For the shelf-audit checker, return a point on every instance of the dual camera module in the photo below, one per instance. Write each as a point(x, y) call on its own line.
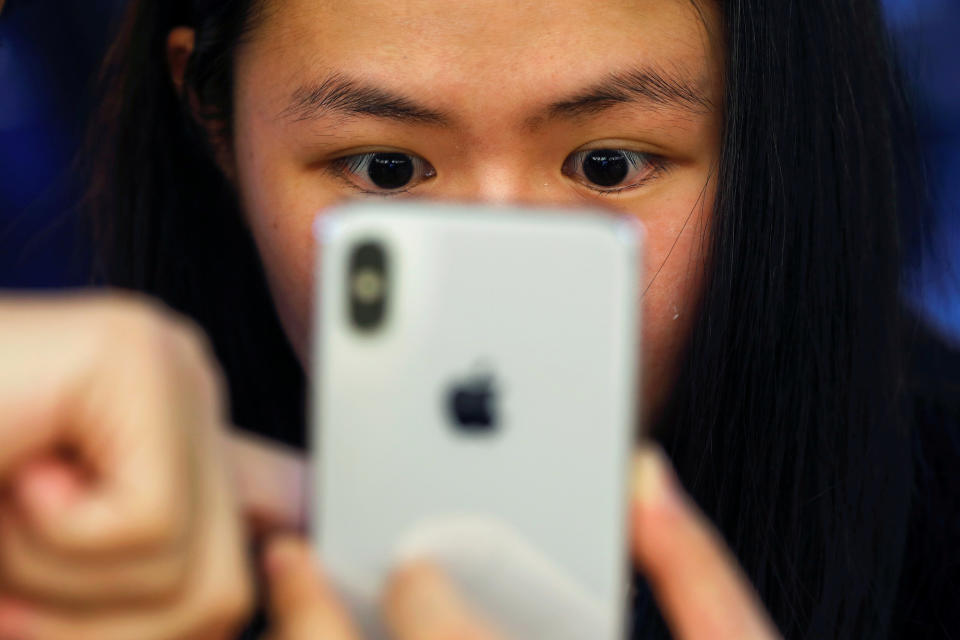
point(368, 280)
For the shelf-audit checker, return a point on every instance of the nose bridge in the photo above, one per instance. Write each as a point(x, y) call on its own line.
point(509, 176)
point(499, 158)
point(497, 181)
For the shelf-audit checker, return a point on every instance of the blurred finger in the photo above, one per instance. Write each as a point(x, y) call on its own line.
point(137, 465)
point(105, 390)
point(140, 499)
point(39, 565)
point(302, 606)
point(214, 600)
point(30, 572)
point(421, 604)
point(697, 582)
point(130, 398)
point(28, 622)
point(269, 481)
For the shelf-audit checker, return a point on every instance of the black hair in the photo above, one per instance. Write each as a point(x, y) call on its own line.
point(165, 219)
point(786, 423)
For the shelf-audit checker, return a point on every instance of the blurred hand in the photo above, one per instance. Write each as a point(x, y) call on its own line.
point(698, 585)
point(116, 517)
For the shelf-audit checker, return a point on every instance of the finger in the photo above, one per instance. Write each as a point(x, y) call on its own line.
point(137, 501)
point(421, 604)
point(697, 582)
point(49, 361)
point(214, 600)
point(269, 481)
point(301, 604)
point(50, 484)
point(30, 572)
point(140, 452)
point(123, 411)
point(31, 338)
point(27, 621)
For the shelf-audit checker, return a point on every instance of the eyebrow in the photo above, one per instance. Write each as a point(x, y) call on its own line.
point(639, 85)
point(339, 94)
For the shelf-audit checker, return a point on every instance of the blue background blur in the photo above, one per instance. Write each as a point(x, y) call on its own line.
point(49, 50)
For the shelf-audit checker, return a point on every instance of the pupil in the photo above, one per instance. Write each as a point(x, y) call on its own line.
point(605, 167)
point(390, 170)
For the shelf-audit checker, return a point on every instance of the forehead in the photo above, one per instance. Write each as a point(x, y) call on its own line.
point(480, 54)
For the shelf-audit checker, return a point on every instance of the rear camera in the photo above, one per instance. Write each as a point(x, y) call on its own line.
point(368, 285)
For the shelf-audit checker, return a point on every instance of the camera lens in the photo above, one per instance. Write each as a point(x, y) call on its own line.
point(368, 285)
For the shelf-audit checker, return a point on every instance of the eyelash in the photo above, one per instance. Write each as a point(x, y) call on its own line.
point(354, 165)
point(656, 166)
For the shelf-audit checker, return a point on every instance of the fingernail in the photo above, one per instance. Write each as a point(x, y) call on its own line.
point(421, 595)
point(281, 554)
point(653, 478)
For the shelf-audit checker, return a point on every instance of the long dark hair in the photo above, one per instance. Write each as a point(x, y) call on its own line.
point(785, 425)
point(165, 219)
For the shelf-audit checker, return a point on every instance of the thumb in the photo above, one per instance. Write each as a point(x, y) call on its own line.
point(302, 605)
point(697, 582)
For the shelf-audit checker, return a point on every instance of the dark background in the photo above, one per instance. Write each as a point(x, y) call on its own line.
point(49, 51)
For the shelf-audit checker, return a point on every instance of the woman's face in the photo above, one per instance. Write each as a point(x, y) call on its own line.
point(613, 104)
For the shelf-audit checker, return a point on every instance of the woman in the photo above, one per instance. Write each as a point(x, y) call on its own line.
point(757, 142)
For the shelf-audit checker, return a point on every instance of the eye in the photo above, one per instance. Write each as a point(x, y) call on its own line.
point(383, 171)
point(612, 170)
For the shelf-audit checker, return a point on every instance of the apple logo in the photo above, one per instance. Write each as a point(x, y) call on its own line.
point(471, 404)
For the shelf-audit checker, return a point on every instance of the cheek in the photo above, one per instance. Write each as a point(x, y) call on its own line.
point(280, 203)
point(288, 259)
point(287, 252)
point(673, 281)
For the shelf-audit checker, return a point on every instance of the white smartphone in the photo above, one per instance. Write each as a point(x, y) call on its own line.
point(474, 399)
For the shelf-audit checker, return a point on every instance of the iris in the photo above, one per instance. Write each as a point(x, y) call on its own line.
point(390, 170)
point(606, 167)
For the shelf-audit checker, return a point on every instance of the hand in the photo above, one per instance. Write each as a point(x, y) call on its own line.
point(698, 585)
point(116, 517)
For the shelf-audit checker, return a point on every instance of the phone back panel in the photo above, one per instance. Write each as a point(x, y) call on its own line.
point(526, 320)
